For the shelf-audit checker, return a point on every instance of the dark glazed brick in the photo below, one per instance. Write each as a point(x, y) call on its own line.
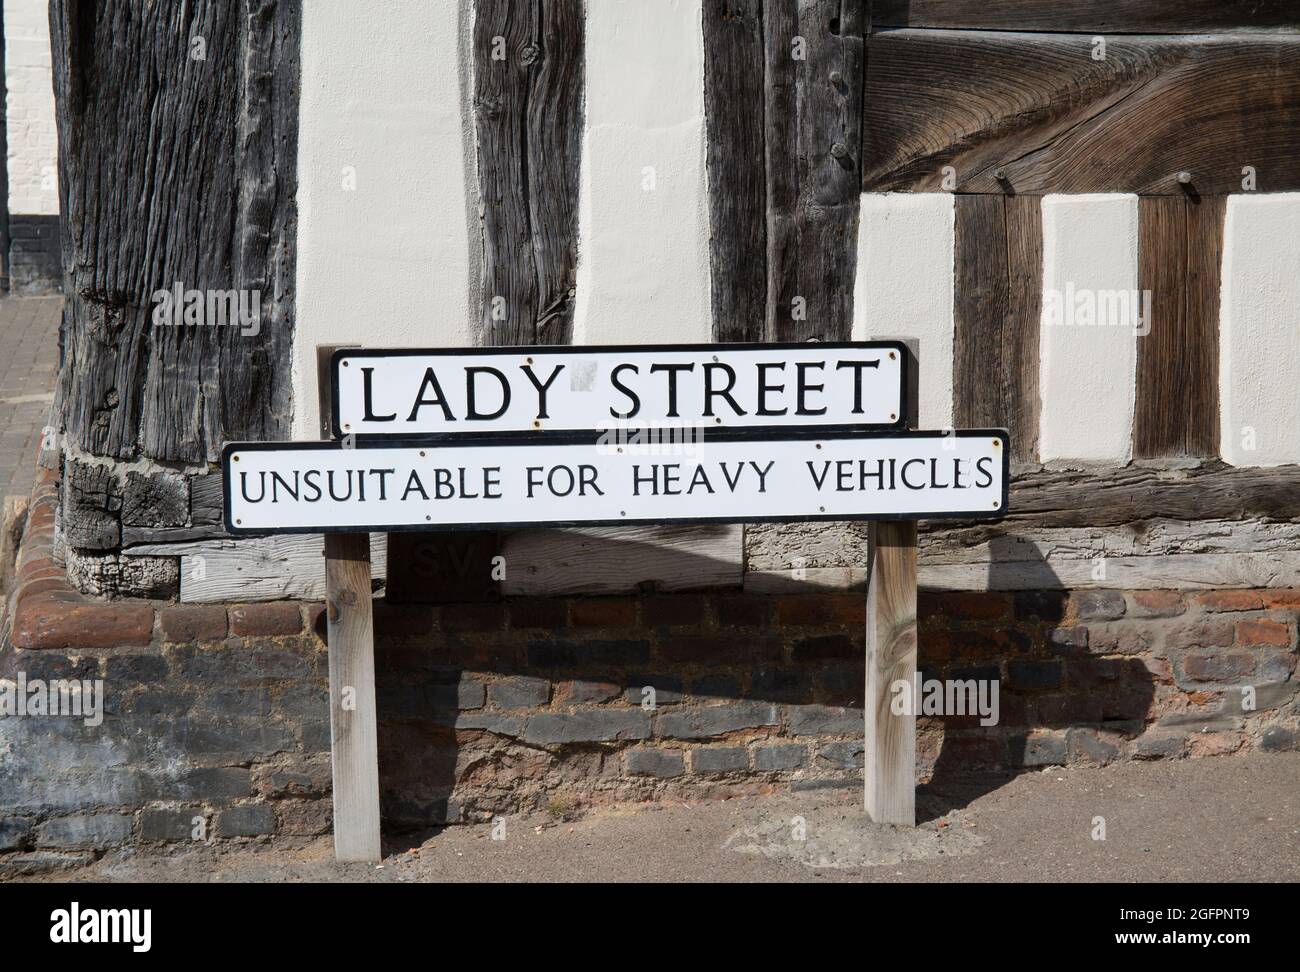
point(780, 685)
point(719, 685)
point(655, 762)
point(538, 613)
point(727, 759)
point(135, 668)
point(667, 690)
point(168, 825)
point(720, 649)
point(189, 623)
point(701, 722)
point(472, 617)
point(593, 725)
point(569, 654)
point(1034, 675)
point(841, 755)
point(1279, 739)
point(1043, 605)
point(825, 647)
point(771, 759)
point(251, 820)
point(824, 720)
point(519, 692)
point(402, 620)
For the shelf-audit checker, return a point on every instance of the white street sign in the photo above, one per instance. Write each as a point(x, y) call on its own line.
point(529, 389)
point(382, 486)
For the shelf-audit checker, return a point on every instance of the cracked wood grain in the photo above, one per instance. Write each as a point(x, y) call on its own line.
point(1047, 116)
point(528, 78)
point(173, 169)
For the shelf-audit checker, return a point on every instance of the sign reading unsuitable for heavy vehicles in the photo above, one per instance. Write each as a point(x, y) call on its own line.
point(320, 487)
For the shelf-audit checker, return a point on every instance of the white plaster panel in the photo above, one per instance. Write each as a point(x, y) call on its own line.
point(904, 286)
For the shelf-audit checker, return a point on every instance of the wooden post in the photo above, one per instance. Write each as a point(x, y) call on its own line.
point(354, 743)
point(890, 753)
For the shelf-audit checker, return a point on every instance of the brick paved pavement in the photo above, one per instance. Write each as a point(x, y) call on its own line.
point(29, 337)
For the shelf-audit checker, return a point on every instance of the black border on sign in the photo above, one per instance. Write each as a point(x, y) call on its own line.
point(752, 431)
point(571, 439)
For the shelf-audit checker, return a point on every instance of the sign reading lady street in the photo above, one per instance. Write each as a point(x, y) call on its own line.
point(494, 390)
point(375, 485)
point(487, 438)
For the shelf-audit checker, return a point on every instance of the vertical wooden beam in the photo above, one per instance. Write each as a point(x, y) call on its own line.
point(354, 736)
point(1177, 407)
point(1021, 324)
point(998, 273)
point(733, 117)
point(979, 308)
point(528, 80)
point(889, 775)
point(814, 55)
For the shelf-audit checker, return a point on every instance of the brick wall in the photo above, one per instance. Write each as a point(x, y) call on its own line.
point(219, 711)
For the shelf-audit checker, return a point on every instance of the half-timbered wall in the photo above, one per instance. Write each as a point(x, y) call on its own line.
point(1078, 209)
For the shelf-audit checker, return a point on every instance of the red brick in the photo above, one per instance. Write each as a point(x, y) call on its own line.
point(744, 610)
point(42, 585)
point(1287, 597)
point(603, 612)
point(819, 609)
point(1207, 633)
point(673, 609)
point(1218, 666)
point(575, 692)
point(1157, 604)
point(316, 621)
point(1263, 632)
point(538, 613)
point(976, 606)
point(193, 622)
point(42, 622)
point(269, 619)
point(1230, 600)
point(472, 617)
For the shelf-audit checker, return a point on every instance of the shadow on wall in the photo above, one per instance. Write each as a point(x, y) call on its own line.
point(1057, 703)
point(536, 704)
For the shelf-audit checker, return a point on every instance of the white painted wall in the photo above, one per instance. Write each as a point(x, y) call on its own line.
point(643, 255)
point(1259, 331)
point(904, 286)
point(29, 107)
point(394, 261)
point(1087, 371)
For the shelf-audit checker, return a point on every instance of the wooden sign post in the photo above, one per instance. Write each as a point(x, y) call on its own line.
point(501, 438)
point(350, 637)
point(889, 754)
